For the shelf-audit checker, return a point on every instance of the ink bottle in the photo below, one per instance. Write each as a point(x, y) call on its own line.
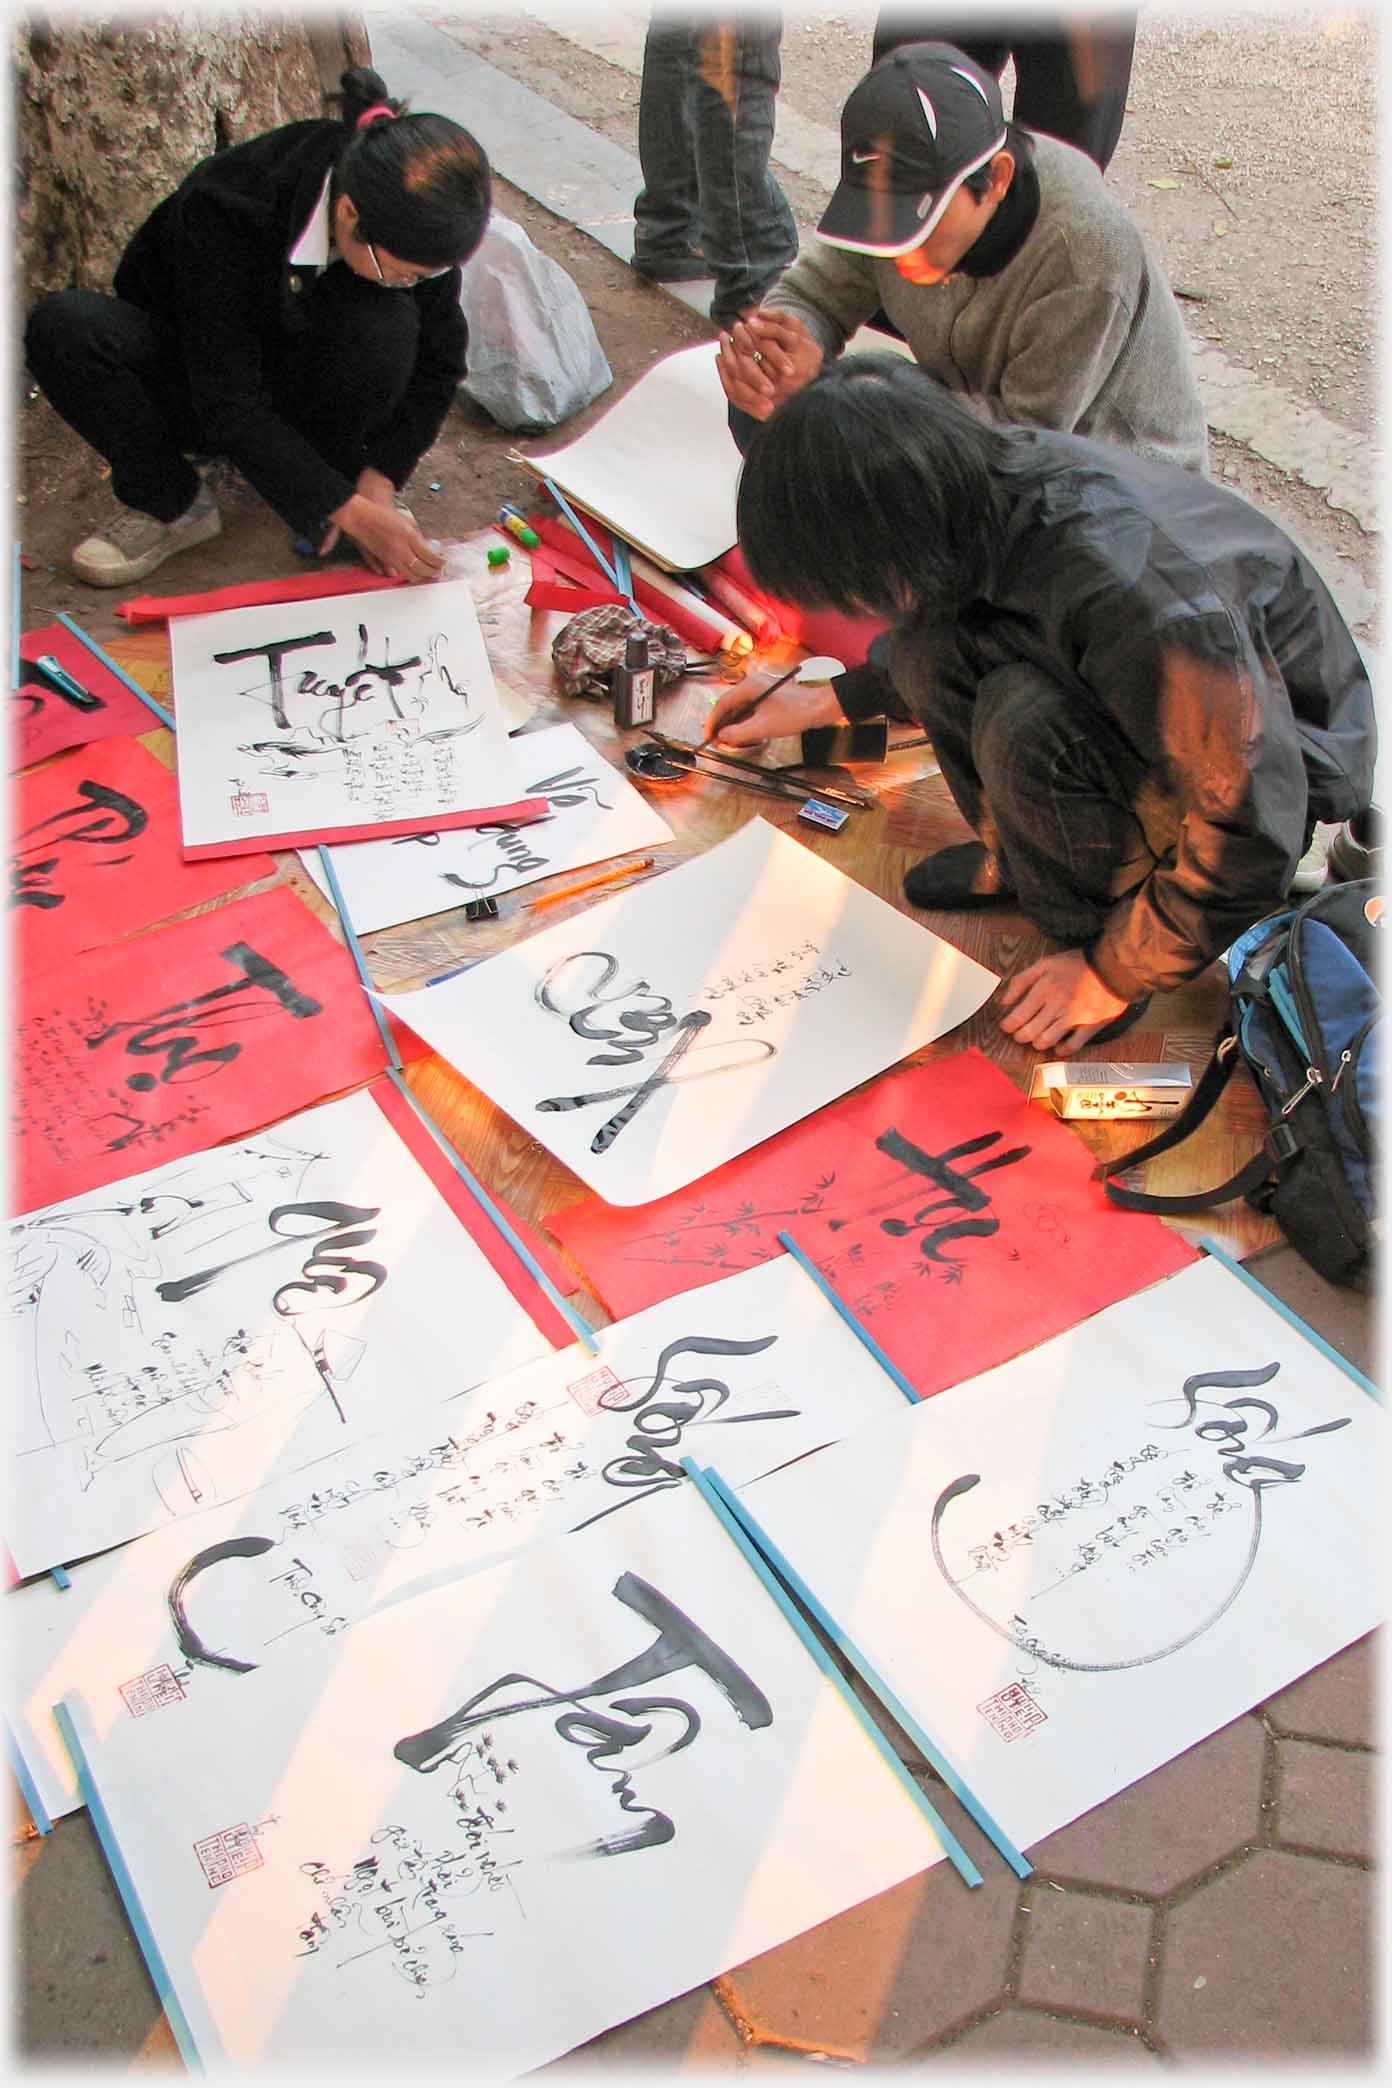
point(634, 681)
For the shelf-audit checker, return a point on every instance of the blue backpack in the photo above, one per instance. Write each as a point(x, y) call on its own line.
point(1302, 1016)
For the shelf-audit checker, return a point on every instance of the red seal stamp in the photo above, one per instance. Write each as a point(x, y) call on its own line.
point(231, 1854)
point(151, 1691)
point(1012, 1712)
point(246, 804)
point(591, 1393)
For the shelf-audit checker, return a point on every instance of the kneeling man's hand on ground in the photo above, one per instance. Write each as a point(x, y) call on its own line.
point(1058, 1003)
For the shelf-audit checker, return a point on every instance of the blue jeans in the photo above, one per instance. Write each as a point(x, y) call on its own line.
point(705, 129)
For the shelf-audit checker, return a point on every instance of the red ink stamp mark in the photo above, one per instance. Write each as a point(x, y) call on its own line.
point(591, 1393)
point(151, 1691)
point(228, 1855)
point(1012, 1712)
point(247, 803)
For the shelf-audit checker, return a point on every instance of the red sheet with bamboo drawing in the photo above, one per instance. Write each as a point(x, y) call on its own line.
point(96, 853)
point(174, 1040)
point(958, 1221)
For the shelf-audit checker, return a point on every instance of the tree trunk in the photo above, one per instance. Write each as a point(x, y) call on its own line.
point(112, 114)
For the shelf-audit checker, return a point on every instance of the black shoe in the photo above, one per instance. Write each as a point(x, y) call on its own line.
point(956, 879)
point(690, 267)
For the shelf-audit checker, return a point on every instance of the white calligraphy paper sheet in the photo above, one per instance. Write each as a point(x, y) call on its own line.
point(592, 813)
point(669, 1028)
point(1079, 1564)
point(489, 1823)
point(660, 466)
point(329, 719)
point(751, 1372)
point(186, 1334)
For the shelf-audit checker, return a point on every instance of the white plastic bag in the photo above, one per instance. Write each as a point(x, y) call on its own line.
point(534, 356)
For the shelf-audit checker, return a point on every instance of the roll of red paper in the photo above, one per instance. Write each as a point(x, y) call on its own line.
point(697, 627)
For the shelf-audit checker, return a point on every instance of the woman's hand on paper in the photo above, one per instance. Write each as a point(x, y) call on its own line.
point(795, 708)
point(389, 539)
point(764, 358)
point(1056, 1004)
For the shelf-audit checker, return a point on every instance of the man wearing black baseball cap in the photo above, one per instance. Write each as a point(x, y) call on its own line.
point(1012, 274)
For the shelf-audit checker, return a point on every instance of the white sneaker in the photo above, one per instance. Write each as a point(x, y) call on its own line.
point(134, 544)
point(1312, 869)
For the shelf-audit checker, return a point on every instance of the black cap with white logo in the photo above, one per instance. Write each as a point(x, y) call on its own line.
point(917, 125)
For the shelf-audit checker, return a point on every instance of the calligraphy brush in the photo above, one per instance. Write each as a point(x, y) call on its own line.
point(859, 800)
point(760, 780)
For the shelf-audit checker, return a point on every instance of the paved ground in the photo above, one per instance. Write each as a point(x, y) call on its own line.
point(1224, 1908)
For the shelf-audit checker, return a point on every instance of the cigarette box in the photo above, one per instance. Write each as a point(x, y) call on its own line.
point(1105, 1093)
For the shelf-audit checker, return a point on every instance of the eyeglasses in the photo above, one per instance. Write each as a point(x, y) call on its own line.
point(411, 282)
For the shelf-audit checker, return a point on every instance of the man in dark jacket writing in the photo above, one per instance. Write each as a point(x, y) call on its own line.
point(1140, 692)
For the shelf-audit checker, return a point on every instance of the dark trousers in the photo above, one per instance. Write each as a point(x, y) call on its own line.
point(1070, 77)
point(116, 374)
point(1049, 783)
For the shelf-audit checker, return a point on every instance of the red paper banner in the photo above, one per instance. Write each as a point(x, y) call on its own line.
point(844, 638)
point(95, 854)
point(958, 1222)
point(181, 1038)
point(44, 723)
point(250, 594)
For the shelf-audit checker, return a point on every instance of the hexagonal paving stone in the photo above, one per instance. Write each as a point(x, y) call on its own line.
point(1325, 1798)
point(693, 2030)
point(1171, 1825)
point(1274, 1956)
point(1085, 1954)
point(1338, 1701)
point(1017, 2033)
point(889, 1975)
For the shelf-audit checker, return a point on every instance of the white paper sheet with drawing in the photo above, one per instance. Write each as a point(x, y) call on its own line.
point(750, 1372)
point(670, 1028)
point(484, 1826)
point(592, 813)
point(660, 466)
point(183, 1335)
point(337, 716)
point(1081, 1563)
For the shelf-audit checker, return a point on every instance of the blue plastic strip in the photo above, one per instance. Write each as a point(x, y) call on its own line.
point(623, 571)
point(165, 717)
point(335, 892)
point(866, 1340)
point(931, 1752)
point(1292, 1318)
point(130, 1899)
point(28, 1790)
point(60, 1576)
point(584, 1333)
point(591, 546)
point(708, 1485)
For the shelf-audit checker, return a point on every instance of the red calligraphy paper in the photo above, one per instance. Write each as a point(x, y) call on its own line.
point(44, 723)
point(178, 1039)
point(491, 1243)
point(95, 854)
point(844, 638)
point(252, 594)
point(958, 1222)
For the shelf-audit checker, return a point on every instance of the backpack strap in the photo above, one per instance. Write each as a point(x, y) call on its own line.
point(1213, 1080)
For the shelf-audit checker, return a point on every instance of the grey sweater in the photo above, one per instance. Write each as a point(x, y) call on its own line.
point(1078, 332)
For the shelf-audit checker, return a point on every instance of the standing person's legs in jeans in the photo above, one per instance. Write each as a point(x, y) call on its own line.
point(706, 118)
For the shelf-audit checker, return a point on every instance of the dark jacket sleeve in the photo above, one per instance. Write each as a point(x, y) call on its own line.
point(1228, 749)
point(440, 364)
